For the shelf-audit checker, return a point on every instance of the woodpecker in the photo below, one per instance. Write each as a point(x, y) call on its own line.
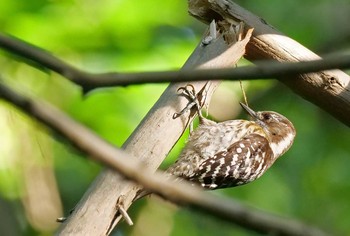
point(234, 152)
point(229, 153)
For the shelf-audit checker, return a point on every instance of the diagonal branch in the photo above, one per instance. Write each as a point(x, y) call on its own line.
point(150, 143)
point(129, 167)
point(330, 90)
point(327, 89)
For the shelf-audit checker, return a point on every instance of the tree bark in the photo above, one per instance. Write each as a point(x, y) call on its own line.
point(96, 213)
point(327, 89)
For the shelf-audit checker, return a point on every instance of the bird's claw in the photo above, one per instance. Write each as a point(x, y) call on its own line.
point(189, 92)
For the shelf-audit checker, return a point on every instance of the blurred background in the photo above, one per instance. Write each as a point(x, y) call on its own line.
point(42, 177)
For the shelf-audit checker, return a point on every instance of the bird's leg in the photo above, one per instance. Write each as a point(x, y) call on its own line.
point(189, 92)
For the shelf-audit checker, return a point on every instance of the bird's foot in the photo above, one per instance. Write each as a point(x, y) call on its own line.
point(189, 92)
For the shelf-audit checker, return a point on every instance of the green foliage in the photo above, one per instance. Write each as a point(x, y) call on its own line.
point(310, 182)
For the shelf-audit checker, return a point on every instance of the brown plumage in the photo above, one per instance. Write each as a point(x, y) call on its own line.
point(231, 153)
point(234, 152)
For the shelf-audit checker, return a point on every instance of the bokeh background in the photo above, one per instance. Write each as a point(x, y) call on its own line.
point(42, 177)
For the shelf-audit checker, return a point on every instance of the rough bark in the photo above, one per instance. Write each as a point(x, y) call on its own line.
point(327, 89)
point(96, 214)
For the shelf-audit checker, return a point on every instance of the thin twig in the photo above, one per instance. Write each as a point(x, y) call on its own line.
point(89, 81)
point(243, 92)
point(125, 215)
point(180, 193)
point(120, 210)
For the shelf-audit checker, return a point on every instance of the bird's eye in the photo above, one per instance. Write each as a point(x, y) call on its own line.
point(275, 132)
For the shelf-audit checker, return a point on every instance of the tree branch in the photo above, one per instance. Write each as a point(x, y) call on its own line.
point(129, 167)
point(89, 81)
point(327, 89)
point(148, 143)
point(41, 57)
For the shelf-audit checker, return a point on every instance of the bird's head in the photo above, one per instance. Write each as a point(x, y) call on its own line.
point(279, 130)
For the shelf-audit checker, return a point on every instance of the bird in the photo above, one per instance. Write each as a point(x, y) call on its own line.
point(234, 152)
point(229, 153)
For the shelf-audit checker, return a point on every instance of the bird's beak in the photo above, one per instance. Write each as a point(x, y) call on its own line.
point(249, 111)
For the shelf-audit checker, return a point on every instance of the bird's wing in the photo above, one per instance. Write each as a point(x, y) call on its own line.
point(243, 162)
